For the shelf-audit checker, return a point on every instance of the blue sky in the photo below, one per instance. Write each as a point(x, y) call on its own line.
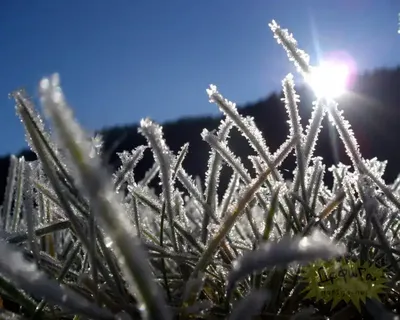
point(123, 60)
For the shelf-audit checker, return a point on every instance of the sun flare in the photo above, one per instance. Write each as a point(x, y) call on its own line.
point(329, 79)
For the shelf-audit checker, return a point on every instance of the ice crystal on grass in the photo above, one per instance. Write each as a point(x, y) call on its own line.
point(115, 242)
point(246, 126)
point(24, 104)
point(128, 164)
point(346, 134)
point(290, 101)
point(222, 148)
point(299, 57)
point(215, 164)
point(304, 250)
point(313, 129)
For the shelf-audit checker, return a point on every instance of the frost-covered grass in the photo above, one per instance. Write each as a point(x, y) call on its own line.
point(81, 244)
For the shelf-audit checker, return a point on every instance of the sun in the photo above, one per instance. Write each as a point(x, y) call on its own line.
point(329, 79)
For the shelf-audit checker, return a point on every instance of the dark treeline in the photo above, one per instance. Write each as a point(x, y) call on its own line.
point(372, 108)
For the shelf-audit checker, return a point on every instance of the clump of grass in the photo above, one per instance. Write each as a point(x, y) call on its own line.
point(80, 244)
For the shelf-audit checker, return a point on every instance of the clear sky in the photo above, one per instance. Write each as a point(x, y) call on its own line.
point(123, 60)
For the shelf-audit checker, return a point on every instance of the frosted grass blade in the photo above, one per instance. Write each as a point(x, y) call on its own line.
point(298, 57)
point(18, 194)
point(212, 177)
point(246, 126)
point(9, 192)
point(26, 276)
point(162, 155)
point(291, 99)
point(129, 162)
point(272, 211)
point(288, 250)
point(19, 237)
point(227, 225)
point(92, 180)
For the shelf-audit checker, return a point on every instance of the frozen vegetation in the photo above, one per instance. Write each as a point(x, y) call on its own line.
point(79, 243)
